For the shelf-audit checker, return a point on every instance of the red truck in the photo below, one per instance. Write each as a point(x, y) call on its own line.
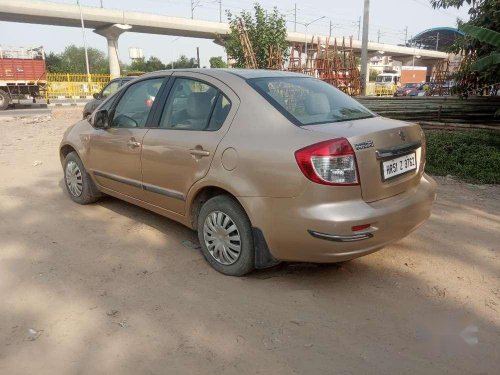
point(22, 73)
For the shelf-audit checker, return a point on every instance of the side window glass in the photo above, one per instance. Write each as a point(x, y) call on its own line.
point(134, 106)
point(110, 89)
point(221, 110)
point(189, 105)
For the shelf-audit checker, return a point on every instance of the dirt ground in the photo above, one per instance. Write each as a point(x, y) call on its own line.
point(111, 288)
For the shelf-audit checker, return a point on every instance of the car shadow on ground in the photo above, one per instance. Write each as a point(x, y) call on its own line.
point(112, 288)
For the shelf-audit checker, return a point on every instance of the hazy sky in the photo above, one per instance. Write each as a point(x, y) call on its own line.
point(390, 17)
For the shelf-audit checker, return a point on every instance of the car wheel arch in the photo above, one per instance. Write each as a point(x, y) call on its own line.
point(203, 194)
point(65, 149)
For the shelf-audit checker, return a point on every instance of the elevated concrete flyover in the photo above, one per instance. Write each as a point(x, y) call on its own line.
point(112, 22)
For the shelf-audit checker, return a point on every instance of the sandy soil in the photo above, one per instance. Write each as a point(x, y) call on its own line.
point(114, 289)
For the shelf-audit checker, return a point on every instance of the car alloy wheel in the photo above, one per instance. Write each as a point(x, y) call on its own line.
point(222, 238)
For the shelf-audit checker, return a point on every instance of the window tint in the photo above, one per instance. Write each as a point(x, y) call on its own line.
point(110, 89)
point(134, 106)
point(221, 110)
point(124, 81)
point(189, 105)
point(309, 101)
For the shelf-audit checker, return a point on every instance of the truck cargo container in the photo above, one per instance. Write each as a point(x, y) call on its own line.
point(23, 73)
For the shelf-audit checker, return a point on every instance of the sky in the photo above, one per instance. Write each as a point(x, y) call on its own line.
point(388, 20)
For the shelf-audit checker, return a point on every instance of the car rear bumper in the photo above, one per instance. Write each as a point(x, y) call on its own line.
point(322, 232)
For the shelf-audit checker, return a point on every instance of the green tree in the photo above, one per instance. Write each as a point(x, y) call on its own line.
point(53, 61)
point(483, 14)
point(143, 65)
point(217, 62)
point(182, 63)
point(72, 60)
point(264, 30)
point(373, 75)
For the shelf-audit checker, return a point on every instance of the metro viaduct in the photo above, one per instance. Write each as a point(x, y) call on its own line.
point(111, 23)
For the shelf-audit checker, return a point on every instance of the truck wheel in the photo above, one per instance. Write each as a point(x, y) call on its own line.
point(4, 100)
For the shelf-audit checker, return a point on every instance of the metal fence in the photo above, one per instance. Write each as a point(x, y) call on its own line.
point(74, 86)
point(373, 89)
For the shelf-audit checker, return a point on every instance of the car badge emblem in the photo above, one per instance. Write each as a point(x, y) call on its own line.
point(402, 135)
point(363, 145)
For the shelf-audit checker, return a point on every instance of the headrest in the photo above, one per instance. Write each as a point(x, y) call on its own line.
point(199, 104)
point(317, 104)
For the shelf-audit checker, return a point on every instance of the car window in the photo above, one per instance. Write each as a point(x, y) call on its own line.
point(190, 105)
point(134, 106)
point(221, 110)
point(309, 101)
point(123, 81)
point(110, 89)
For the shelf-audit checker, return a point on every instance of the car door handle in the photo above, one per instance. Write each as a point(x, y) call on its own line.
point(198, 152)
point(133, 144)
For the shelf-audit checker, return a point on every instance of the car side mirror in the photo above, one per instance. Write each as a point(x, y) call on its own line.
point(101, 119)
point(97, 95)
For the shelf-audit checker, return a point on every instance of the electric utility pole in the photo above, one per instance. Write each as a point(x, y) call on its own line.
point(102, 5)
point(359, 27)
point(220, 11)
point(295, 19)
point(364, 46)
point(194, 4)
point(331, 27)
point(378, 36)
point(406, 34)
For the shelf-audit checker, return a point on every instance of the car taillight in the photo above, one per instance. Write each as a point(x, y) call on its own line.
point(329, 163)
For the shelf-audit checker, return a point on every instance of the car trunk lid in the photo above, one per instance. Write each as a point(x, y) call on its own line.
point(377, 141)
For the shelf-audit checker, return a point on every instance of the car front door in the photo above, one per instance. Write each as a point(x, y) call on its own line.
point(115, 152)
point(176, 154)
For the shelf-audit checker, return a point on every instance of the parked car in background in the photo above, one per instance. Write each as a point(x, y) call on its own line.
point(421, 90)
point(113, 86)
point(312, 175)
point(406, 89)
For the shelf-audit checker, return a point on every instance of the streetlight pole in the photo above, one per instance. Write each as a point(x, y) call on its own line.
point(364, 46)
point(173, 57)
point(84, 41)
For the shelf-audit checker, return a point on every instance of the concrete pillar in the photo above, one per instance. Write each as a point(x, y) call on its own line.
point(112, 33)
point(114, 62)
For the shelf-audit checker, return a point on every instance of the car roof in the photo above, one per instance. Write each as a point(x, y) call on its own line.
point(242, 73)
point(262, 73)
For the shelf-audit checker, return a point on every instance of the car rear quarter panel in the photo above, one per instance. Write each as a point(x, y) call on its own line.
point(263, 144)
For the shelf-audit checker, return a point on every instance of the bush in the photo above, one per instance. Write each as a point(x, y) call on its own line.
point(471, 155)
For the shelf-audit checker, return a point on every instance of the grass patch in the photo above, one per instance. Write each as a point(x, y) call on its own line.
point(471, 155)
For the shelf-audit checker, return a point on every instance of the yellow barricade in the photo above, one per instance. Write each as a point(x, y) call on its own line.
point(74, 86)
point(385, 90)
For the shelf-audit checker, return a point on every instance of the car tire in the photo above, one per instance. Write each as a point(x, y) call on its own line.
point(226, 237)
point(4, 100)
point(78, 183)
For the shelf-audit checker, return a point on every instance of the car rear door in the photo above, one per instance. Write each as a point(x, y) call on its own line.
point(115, 152)
point(196, 115)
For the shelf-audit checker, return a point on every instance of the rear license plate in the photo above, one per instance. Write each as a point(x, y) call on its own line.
point(395, 167)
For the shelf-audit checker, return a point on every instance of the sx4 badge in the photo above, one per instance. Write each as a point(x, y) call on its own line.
point(363, 145)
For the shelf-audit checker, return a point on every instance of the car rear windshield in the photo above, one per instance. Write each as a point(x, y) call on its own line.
point(309, 101)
